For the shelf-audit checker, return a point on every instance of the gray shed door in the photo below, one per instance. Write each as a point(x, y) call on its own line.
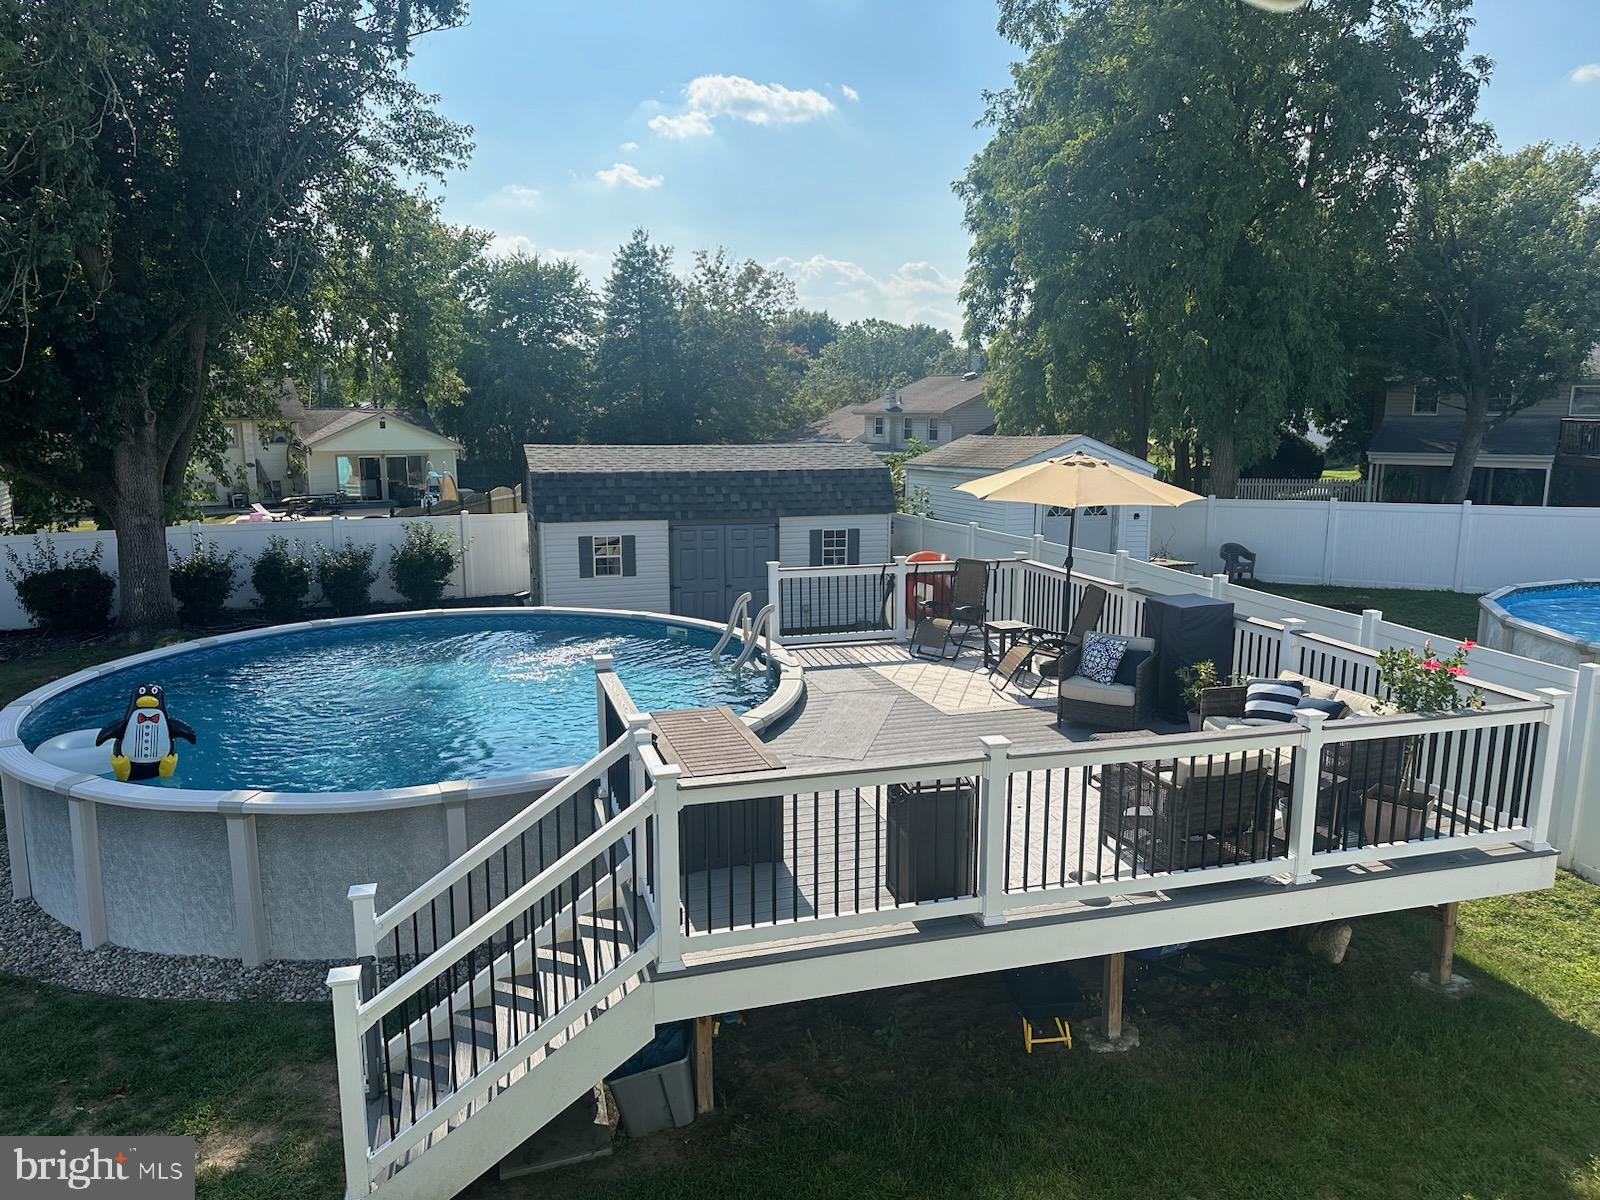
point(713, 564)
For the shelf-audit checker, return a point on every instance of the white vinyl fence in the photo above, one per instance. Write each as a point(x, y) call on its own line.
point(495, 561)
point(1456, 547)
point(1575, 827)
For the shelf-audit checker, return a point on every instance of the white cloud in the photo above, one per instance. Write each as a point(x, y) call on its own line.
point(627, 175)
point(849, 93)
point(515, 195)
point(592, 262)
point(733, 96)
point(628, 147)
point(689, 125)
point(913, 291)
point(1588, 73)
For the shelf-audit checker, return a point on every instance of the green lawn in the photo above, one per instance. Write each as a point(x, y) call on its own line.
point(1453, 614)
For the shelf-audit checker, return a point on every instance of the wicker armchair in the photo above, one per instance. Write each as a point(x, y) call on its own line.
point(1200, 811)
point(1111, 705)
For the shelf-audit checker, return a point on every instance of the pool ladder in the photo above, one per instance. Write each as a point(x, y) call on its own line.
point(739, 621)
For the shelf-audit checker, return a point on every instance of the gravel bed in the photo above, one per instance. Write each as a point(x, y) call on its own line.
point(36, 945)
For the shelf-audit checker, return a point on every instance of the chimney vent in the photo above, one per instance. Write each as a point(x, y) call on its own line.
point(891, 400)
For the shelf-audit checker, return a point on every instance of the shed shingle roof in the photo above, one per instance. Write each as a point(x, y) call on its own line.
point(705, 483)
point(991, 453)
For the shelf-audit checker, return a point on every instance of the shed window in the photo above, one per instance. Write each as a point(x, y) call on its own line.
point(608, 556)
point(1424, 405)
point(1585, 401)
point(835, 547)
point(877, 428)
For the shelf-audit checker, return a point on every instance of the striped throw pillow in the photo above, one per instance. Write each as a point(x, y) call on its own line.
point(1272, 699)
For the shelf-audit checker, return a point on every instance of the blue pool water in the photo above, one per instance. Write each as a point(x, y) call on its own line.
point(1573, 609)
point(386, 704)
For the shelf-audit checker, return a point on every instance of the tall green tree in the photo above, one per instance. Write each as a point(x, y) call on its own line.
point(1159, 216)
point(870, 355)
point(736, 362)
point(527, 364)
point(167, 170)
point(640, 386)
point(1500, 280)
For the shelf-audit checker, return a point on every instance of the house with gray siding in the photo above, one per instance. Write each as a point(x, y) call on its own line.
point(933, 411)
point(687, 529)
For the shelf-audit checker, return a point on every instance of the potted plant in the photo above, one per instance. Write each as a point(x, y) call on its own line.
point(1196, 678)
point(1397, 809)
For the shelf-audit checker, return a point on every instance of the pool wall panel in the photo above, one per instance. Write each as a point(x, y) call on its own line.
point(167, 882)
point(49, 837)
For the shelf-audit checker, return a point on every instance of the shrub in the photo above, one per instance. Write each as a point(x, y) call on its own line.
point(345, 576)
point(422, 564)
point(282, 578)
point(202, 581)
point(62, 594)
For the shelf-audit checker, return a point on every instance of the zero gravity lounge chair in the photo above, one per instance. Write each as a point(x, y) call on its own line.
point(936, 634)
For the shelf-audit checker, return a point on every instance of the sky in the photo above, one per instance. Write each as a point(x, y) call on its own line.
point(818, 137)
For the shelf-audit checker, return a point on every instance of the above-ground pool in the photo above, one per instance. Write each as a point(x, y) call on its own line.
point(395, 703)
point(1557, 622)
point(372, 750)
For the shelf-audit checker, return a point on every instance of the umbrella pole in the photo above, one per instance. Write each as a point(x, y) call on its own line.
point(1072, 539)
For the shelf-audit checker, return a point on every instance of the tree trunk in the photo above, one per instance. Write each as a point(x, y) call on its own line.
point(1224, 467)
point(1139, 416)
point(1182, 464)
point(1459, 481)
point(138, 512)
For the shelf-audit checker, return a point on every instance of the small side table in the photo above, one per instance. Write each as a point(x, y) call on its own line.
point(1005, 633)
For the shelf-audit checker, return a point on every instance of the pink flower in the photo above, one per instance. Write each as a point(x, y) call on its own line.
point(1457, 670)
point(1466, 645)
point(1432, 664)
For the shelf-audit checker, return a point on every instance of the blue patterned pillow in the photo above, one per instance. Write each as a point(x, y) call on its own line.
point(1102, 654)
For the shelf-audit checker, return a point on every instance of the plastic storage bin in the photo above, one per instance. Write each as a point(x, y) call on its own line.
point(654, 1089)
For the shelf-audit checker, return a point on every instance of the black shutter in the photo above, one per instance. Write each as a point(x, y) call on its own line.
point(852, 550)
point(586, 558)
point(627, 554)
point(816, 547)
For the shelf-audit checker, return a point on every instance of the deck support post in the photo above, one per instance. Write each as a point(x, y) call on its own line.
point(669, 921)
point(1111, 996)
point(602, 666)
point(1371, 618)
point(1303, 803)
point(993, 802)
point(345, 984)
point(705, 1031)
point(1444, 945)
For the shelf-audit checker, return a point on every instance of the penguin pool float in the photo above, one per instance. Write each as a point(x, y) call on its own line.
point(143, 738)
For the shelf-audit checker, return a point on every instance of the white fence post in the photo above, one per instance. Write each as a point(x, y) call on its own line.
point(1303, 803)
point(1579, 781)
point(1544, 782)
point(1288, 648)
point(900, 627)
point(1119, 567)
point(363, 899)
point(1037, 553)
point(993, 801)
point(972, 539)
point(1330, 542)
point(1219, 586)
point(1371, 618)
point(669, 928)
point(345, 984)
point(775, 598)
point(1458, 581)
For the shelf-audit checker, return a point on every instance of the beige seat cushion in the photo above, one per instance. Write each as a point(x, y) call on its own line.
point(1237, 724)
point(1356, 702)
point(1078, 688)
point(1231, 765)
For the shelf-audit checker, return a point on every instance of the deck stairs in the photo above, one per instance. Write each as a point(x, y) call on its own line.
point(476, 1043)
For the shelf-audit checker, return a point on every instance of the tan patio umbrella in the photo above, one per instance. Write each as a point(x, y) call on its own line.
point(1073, 481)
